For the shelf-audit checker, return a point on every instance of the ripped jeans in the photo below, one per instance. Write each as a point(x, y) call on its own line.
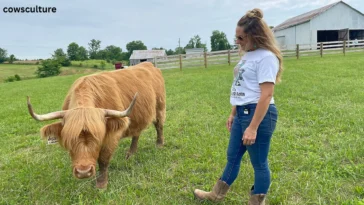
point(258, 152)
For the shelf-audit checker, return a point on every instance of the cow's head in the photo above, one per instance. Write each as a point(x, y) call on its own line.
point(82, 132)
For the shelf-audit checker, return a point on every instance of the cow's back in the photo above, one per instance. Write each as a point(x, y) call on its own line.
point(148, 81)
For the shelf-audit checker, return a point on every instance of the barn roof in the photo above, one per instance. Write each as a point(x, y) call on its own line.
point(307, 16)
point(144, 54)
point(195, 50)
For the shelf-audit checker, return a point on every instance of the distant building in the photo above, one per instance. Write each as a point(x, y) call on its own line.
point(139, 56)
point(194, 52)
point(334, 22)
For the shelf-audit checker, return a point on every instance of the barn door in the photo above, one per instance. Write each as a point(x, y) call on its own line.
point(344, 34)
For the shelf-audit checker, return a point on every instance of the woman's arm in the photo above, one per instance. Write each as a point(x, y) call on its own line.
point(267, 90)
point(229, 122)
point(250, 133)
point(233, 111)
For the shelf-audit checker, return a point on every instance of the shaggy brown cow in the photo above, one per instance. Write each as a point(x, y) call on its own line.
point(97, 112)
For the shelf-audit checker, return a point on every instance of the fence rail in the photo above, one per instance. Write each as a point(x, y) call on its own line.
point(232, 56)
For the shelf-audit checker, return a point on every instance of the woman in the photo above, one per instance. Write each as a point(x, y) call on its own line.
point(254, 115)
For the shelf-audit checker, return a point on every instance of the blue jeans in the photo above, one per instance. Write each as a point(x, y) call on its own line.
point(258, 152)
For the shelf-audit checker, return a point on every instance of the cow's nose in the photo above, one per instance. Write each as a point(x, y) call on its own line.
point(84, 171)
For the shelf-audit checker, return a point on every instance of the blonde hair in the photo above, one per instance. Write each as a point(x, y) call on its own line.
point(261, 35)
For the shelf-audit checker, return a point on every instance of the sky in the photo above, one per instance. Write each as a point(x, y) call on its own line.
point(157, 23)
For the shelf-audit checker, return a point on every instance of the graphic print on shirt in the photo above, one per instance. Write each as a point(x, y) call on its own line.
point(238, 77)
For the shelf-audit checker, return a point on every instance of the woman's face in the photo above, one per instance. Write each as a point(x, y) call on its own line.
point(242, 38)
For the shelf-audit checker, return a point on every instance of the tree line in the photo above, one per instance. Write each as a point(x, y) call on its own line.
point(112, 53)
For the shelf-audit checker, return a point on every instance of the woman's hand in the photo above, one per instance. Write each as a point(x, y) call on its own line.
point(249, 136)
point(229, 122)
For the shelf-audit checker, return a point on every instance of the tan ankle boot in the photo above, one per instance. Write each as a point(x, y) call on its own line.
point(217, 194)
point(257, 199)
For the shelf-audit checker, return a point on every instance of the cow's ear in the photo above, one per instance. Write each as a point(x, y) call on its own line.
point(51, 131)
point(117, 124)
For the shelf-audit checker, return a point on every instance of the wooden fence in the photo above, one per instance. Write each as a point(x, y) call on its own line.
point(232, 56)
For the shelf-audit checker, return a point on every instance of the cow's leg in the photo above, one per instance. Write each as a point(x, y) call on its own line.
point(102, 179)
point(105, 155)
point(160, 119)
point(133, 147)
point(159, 127)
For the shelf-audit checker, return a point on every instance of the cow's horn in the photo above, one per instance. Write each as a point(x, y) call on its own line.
point(48, 116)
point(116, 113)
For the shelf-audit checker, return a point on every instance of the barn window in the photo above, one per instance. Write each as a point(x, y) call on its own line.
point(143, 60)
point(357, 34)
point(328, 35)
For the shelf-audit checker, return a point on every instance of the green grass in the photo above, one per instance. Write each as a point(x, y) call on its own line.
point(24, 71)
point(92, 63)
point(27, 71)
point(317, 154)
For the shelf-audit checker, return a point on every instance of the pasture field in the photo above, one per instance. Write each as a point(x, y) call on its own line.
point(92, 63)
point(317, 154)
point(27, 71)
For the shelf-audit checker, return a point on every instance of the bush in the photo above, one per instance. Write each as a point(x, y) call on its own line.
point(65, 62)
point(102, 65)
point(95, 66)
point(48, 68)
point(16, 77)
point(80, 65)
point(10, 79)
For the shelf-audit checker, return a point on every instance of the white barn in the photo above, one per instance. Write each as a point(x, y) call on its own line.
point(139, 56)
point(194, 52)
point(335, 22)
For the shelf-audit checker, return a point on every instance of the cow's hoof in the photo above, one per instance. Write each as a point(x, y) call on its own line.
point(101, 184)
point(160, 144)
point(128, 155)
point(101, 181)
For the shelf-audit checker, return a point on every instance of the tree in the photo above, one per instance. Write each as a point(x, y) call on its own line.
point(180, 50)
point(219, 41)
point(135, 45)
point(12, 58)
point(195, 42)
point(61, 57)
point(170, 52)
point(113, 53)
point(82, 53)
point(161, 48)
point(190, 44)
point(94, 48)
point(3, 55)
point(49, 67)
point(59, 53)
point(73, 51)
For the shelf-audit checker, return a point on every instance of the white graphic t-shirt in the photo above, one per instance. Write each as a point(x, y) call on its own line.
point(255, 67)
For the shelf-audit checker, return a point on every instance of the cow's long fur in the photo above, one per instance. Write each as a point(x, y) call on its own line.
point(84, 129)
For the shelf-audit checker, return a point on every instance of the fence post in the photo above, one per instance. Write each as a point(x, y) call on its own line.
point(344, 47)
point(180, 62)
point(321, 49)
point(229, 56)
point(155, 62)
point(298, 51)
point(205, 59)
